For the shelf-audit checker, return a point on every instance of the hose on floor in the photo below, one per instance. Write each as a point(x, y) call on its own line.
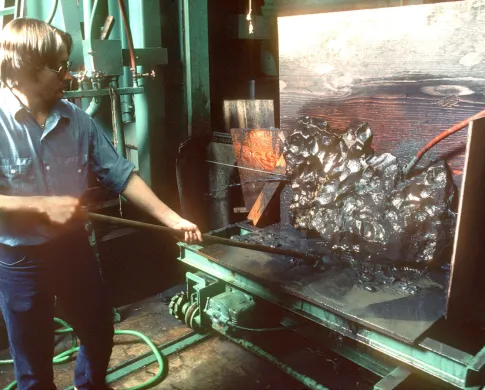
point(65, 356)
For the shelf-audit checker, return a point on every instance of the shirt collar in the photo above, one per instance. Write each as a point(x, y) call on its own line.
point(15, 107)
point(11, 104)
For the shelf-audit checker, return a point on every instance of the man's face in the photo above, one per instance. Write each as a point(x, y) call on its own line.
point(50, 83)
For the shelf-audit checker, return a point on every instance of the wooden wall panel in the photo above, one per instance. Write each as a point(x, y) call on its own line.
point(248, 114)
point(411, 72)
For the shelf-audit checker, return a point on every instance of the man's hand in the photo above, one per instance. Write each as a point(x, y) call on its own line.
point(137, 192)
point(192, 232)
point(59, 209)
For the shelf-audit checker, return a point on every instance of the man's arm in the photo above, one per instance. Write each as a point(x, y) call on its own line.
point(58, 209)
point(138, 193)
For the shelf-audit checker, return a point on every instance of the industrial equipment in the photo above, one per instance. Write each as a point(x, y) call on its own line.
point(229, 282)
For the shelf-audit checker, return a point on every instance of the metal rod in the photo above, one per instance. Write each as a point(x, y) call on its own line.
point(101, 92)
point(207, 237)
point(246, 168)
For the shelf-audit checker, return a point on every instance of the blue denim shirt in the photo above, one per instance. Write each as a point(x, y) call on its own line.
point(55, 160)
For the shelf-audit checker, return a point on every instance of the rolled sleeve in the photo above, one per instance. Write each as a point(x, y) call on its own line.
point(111, 169)
point(117, 178)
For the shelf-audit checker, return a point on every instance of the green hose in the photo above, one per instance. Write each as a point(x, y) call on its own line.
point(67, 355)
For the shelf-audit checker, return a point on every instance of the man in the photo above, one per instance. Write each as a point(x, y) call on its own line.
point(47, 148)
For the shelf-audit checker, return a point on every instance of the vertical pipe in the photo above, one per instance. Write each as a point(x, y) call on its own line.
point(92, 105)
point(187, 64)
point(87, 10)
point(126, 78)
point(34, 9)
point(138, 25)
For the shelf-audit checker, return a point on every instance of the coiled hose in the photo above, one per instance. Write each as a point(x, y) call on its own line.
point(65, 356)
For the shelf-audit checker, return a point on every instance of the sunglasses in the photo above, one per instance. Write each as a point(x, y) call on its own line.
point(62, 70)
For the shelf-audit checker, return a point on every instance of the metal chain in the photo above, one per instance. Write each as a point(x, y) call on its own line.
point(112, 96)
point(249, 19)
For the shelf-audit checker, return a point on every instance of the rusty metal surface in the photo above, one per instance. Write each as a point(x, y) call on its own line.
point(387, 310)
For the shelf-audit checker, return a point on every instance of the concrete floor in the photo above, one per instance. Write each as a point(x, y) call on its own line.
point(215, 363)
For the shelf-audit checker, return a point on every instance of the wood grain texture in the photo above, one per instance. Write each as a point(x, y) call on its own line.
point(267, 199)
point(470, 231)
point(248, 114)
point(411, 72)
point(257, 149)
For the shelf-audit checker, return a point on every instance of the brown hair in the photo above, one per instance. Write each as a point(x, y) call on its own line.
point(27, 45)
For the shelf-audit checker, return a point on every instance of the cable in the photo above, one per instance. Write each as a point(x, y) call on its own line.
point(50, 18)
point(66, 355)
point(246, 182)
point(453, 129)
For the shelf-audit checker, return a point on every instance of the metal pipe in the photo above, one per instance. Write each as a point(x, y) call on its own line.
point(89, 38)
point(306, 380)
point(50, 18)
point(84, 93)
point(87, 11)
point(88, 8)
point(94, 106)
point(186, 61)
point(144, 118)
point(126, 80)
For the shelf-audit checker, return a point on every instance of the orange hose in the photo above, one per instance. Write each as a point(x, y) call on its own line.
point(453, 129)
point(128, 36)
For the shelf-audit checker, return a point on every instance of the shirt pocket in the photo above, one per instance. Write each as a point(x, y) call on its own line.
point(17, 176)
point(69, 175)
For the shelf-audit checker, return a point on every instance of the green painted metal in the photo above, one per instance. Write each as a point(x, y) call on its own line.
point(147, 57)
point(478, 362)
point(452, 369)
point(149, 107)
point(7, 11)
point(307, 381)
point(125, 80)
point(37, 9)
point(394, 379)
point(71, 17)
point(195, 58)
point(101, 92)
point(201, 287)
point(363, 359)
point(106, 60)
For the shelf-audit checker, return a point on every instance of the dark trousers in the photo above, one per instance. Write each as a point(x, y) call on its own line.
point(63, 273)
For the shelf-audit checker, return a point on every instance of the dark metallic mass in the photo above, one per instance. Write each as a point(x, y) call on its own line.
point(360, 204)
